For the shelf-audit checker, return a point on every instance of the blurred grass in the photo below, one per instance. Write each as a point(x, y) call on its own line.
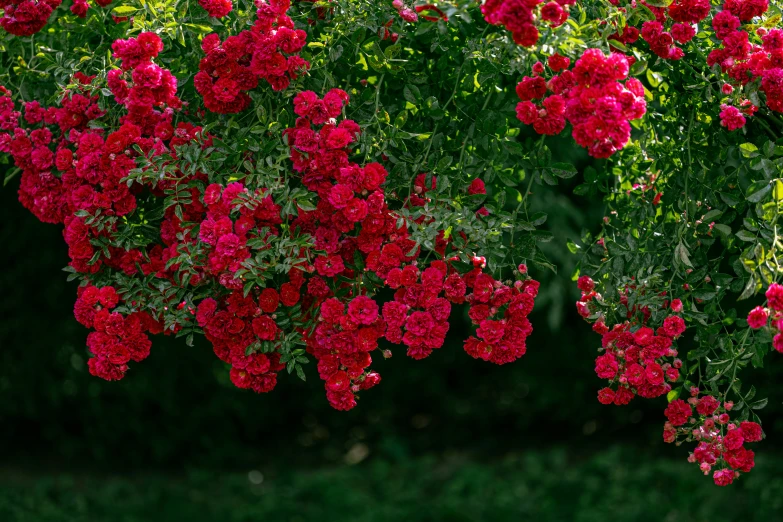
point(617, 484)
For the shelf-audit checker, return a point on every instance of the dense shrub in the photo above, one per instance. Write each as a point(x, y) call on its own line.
point(261, 173)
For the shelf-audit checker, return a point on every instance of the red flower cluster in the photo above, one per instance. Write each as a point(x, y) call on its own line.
point(519, 16)
point(342, 344)
point(351, 221)
point(243, 328)
point(236, 327)
point(419, 317)
point(759, 317)
point(731, 117)
point(628, 35)
point(590, 97)
point(348, 191)
point(225, 240)
point(500, 311)
point(354, 228)
point(214, 236)
point(80, 7)
point(721, 442)
point(268, 51)
point(774, 295)
point(117, 339)
point(741, 59)
point(746, 10)
point(141, 85)
point(680, 17)
point(89, 180)
point(74, 172)
point(26, 17)
point(406, 13)
point(216, 8)
point(744, 61)
point(636, 358)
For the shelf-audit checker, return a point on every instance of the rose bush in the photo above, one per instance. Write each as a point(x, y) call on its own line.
point(309, 180)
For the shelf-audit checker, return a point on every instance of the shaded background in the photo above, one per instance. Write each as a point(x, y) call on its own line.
point(443, 439)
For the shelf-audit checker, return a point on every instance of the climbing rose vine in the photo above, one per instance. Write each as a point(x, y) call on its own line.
point(334, 182)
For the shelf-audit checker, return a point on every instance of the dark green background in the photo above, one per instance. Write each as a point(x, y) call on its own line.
point(448, 438)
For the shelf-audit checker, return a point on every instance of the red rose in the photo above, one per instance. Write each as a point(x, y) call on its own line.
point(419, 323)
point(606, 366)
point(338, 382)
point(673, 326)
point(707, 405)
point(606, 396)
point(289, 295)
point(363, 310)
point(265, 328)
point(623, 396)
point(654, 374)
point(733, 440)
point(751, 431)
point(678, 412)
point(269, 300)
point(723, 477)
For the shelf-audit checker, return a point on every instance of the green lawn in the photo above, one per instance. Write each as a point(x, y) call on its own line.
point(615, 485)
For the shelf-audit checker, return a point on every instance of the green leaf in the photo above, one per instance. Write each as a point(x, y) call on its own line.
point(583, 189)
point(724, 230)
point(730, 199)
point(411, 93)
point(638, 67)
point(401, 118)
point(196, 28)
point(645, 13)
point(125, 10)
point(506, 178)
point(538, 219)
point(544, 156)
point(654, 78)
point(358, 260)
point(757, 190)
point(618, 45)
point(704, 295)
point(749, 150)
point(681, 253)
point(749, 290)
point(444, 163)
point(305, 205)
point(11, 174)
point(335, 52)
point(563, 170)
point(712, 215)
point(778, 192)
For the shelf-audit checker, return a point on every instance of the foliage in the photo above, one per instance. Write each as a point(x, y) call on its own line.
point(260, 173)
